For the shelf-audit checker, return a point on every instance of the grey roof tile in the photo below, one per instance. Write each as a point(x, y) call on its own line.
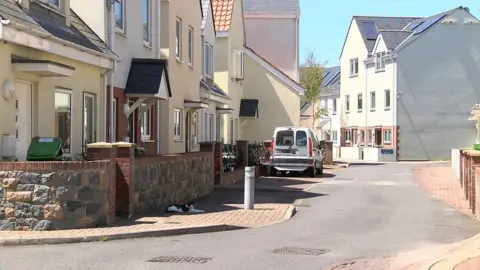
point(44, 20)
point(393, 38)
point(271, 6)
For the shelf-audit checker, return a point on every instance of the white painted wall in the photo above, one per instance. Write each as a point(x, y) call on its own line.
point(439, 82)
point(334, 124)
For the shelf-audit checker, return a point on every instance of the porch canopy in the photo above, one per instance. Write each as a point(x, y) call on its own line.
point(210, 91)
point(194, 104)
point(148, 82)
point(248, 108)
point(42, 68)
point(223, 110)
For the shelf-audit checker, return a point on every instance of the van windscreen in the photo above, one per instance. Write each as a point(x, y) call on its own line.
point(284, 138)
point(301, 139)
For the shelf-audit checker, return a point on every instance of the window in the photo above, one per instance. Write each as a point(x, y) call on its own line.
point(210, 127)
point(387, 136)
point(347, 135)
point(301, 138)
point(177, 124)
point(360, 102)
point(355, 136)
point(190, 46)
point(54, 2)
point(232, 141)
point(334, 106)
point(205, 129)
point(334, 136)
point(119, 9)
point(218, 125)
point(114, 130)
point(178, 36)
point(347, 103)
point(63, 118)
point(284, 138)
point(146, 124)
point(195, 128)
point(387, 99)
point(146, 20)
point(354, 67)
point(208, 61)
point(372, 101)
point(362, 137)
point(237, 63)
point(89, 125)
point(380, 61)
point(370, 136)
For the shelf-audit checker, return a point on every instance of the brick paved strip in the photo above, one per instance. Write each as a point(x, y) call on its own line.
point(262, 215)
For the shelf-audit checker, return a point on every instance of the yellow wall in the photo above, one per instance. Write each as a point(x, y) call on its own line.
point(86, 78)
point(184, 80)
point(278, 103)
point(309, 121)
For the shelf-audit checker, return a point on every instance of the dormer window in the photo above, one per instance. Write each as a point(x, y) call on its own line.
point(54, 2)
point(380, 61)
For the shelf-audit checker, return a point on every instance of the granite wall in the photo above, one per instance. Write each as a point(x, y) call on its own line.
point(55, 195)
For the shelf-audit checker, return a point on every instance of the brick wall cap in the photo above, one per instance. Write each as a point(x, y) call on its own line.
point(99, 145)
point(124, 144)
point(473, 153)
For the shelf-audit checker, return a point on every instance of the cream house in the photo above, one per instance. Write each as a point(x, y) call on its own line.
point(181, 46)
point(210, 92)
point(140, 81)
point(52, 79)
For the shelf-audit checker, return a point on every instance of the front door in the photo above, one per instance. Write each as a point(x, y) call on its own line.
point(23, 119)
point(187, 132)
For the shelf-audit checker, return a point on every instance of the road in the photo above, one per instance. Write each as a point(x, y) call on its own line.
point(365, 211)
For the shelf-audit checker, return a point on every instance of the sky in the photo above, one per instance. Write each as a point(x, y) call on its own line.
point(324, 24)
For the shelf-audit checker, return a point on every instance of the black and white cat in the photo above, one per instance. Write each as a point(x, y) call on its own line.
point(185, 208)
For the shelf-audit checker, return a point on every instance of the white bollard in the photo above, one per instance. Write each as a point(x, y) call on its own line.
point(249, 188)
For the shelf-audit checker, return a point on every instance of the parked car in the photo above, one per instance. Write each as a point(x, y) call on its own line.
point(295, 149)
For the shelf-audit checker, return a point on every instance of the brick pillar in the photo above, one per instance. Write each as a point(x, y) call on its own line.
point(475, 165)
point(125, 168)
point(328, 152)
point(218, 166)
point(242, 150)
point(462, 169)
point(209, 147)
point(106, 151)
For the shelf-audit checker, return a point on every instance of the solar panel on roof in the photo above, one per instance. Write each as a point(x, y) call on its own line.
point(330, 80)
point(413, 25)
point(428, 23)
point(370, 30)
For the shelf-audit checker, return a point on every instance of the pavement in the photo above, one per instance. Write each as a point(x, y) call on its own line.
point(224, 211)
point(364, 211)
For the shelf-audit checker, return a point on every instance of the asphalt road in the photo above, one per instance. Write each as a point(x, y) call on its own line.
point(366, 211)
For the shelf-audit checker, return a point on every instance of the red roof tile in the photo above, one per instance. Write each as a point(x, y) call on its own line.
point(222, 13)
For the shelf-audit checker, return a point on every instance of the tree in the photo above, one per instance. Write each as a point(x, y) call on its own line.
point(311, 78)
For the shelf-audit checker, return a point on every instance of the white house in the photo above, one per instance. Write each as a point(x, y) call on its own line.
point(407, 85)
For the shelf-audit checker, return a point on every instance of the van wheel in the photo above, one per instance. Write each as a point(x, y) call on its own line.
point(312, 172)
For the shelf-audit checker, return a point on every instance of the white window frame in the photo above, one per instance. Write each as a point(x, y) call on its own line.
point(360, 102)
point(114, 129)
point(387, 136)
point(348, 135)
point(177, 124)
point(191, 45)
point(178, 39)
point(148, 38)
point(146, 124)
point(347, 103)
point(238, 56)
point(53, 3)
point(380, 61)
point(362, 137)
point(354, 136)
point(211, 126)
point(122, 29)
point(94, 117)
point(334, 136)
point(208, 60)
point(373, 101)
point(389, 99)
point(70, 93)
point(204, 126)
point(353, 67)
point(334, 106)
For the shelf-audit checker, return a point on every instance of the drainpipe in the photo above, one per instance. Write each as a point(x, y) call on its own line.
point(157, 7)
point(111, 44)
point(297, 34)
point(365, 134)
point(394, 104)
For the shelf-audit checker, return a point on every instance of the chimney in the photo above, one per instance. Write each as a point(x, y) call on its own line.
point(467, 9)
point(65, 8)
point(24, 3)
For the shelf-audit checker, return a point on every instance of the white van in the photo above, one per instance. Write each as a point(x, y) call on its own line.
point(295, 149)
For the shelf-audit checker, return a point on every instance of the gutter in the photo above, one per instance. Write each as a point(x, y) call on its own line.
point(158, 55)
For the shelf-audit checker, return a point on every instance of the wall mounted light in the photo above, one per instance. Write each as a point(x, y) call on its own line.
point(8, 89)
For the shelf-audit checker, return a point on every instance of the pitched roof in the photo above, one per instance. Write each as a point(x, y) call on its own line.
point(331, 81)
point(393, 38)
point(271, 7)
point(276, 71)
point(222, 13)
point(39, 18)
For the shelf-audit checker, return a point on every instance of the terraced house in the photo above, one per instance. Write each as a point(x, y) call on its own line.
point(53, 74)
point(407, 85)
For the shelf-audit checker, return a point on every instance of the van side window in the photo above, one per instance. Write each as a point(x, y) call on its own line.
point(284, 138)
point(301, 138)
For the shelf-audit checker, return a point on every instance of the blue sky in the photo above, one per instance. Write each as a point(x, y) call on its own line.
point(324, 24)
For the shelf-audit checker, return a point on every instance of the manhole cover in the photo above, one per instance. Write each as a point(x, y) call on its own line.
point(180, 259)
point(300, 251)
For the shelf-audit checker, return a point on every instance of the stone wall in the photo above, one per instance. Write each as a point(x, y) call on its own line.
point(172, 179)
point(55, 195)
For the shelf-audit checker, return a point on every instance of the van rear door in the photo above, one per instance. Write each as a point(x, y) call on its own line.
point(301, 143)
point(284, 142)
